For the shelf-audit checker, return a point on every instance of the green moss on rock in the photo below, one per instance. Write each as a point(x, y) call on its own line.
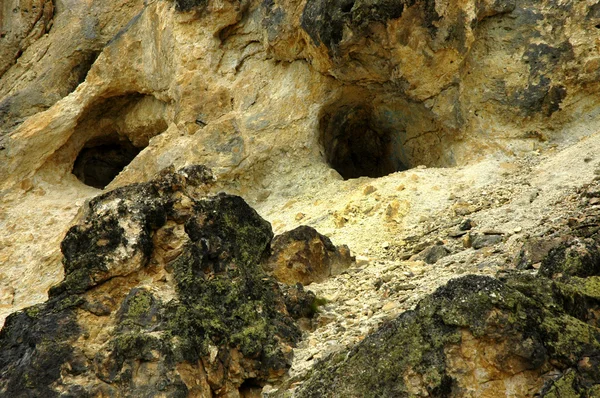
point(139, 309)
point(577, 258)
point(523, 311)
point(223, 299)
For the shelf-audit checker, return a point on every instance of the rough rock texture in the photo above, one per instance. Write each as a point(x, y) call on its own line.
point(304, 256)
point(477, 336)
point(281, 99)
point(21, 24)
point(163, 295)
point(427, 81)
point(383, 124)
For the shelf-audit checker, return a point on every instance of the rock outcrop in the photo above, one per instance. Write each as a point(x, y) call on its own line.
point(521, 334)
point(313, 91)
point(424, 81)
point(379, 123)
point(163, 295)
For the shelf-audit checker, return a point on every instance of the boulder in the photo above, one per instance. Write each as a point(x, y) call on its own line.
point(163, 294)
point(304, 256)
point(518, 335)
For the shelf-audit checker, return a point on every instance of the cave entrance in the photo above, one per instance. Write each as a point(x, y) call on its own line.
point(357, 145)
point(101, 160)
point(111, 133)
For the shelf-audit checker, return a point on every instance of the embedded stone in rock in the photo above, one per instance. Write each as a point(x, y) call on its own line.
point(200, 320)
point(303, 255)
point(356, 145)
point(432, 254)
point(300, 303)
point(534, 250)
point(97, 166)
point(480, 240)
point(188, 5)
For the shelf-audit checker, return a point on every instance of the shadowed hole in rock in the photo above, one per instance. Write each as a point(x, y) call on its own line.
point(357, 145)
point(251, 388)
point(347, 7)
point(80, 71)
point(112, 132)
point(100, 161)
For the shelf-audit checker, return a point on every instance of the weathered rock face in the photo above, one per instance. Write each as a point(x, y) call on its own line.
point(364, 88)
point(304, 256)
point(21, 24)
point(48, 48)
point(425, 81)
point(285, 100)
point(163, 294)
point(519, 335)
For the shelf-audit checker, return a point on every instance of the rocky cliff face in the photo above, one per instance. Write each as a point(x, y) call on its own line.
point(434, 138)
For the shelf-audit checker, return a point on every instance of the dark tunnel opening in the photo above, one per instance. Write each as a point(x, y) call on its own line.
point(101, 160)
point(356, 145)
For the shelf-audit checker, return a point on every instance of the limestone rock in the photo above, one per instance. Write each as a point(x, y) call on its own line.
point(21, 23)
point(163, 294)
point(304, 256)
point(47, 49)
point(421, 79)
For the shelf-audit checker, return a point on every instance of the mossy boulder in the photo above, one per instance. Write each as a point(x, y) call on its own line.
point(163, 295)
point(304, 256)
point(478, 335)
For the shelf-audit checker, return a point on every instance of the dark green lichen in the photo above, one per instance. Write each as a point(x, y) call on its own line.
point(34, 345)
point(525, 312)
point(579, 258)
point(223, 298)
point(139, 309)
point(316, 303)
point(566, 386)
